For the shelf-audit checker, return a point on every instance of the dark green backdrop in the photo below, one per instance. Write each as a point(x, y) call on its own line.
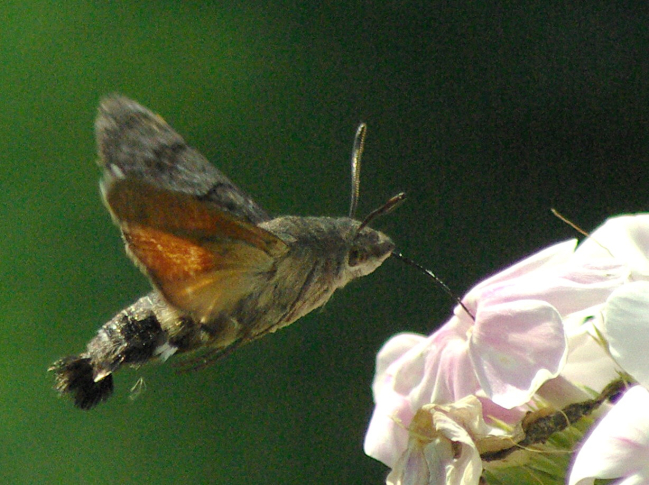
point(487, 114)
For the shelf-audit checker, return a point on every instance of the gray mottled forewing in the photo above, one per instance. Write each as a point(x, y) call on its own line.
point(133, 142)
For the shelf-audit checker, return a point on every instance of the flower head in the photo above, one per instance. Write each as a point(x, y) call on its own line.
point(516, 343)
point(443, 445)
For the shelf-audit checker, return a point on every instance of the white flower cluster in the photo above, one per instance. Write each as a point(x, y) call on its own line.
point(543, 337)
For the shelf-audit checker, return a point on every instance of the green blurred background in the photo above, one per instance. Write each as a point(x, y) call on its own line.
point(487, 114)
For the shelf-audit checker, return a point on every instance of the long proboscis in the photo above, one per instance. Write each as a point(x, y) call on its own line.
point(437, 280)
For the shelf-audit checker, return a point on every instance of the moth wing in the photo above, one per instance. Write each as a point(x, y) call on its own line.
point(137, 143)
point(201, 259)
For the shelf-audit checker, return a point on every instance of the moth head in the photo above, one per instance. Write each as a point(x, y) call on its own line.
point(368, 249)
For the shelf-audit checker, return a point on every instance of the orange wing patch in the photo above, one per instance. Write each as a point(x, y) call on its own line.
point(203, 280)
point(167, 256)
point(202, 259)
point(134, 201)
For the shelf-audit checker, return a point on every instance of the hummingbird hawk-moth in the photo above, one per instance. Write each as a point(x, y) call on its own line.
point(224, 272)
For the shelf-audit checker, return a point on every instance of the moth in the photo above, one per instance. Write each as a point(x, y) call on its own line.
point(224, 272)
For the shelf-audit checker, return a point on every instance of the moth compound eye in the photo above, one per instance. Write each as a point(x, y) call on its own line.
point(356, 257)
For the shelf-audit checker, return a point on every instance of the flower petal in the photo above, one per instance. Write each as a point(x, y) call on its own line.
point(569, 288)
point(553, 256)
point(387, 434)
point(441, 449)
point(436, 369)
point(448, 375)
point(619, 445)
point(626, 327)
point(625, 238)
point(588, 363)
point(393, 350)
point(516, 347)
point(422, 464)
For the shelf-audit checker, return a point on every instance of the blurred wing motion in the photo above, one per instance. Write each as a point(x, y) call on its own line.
point(184, 223)
point(136, 143)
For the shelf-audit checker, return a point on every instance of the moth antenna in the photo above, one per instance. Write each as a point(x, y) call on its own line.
point(429, 273)
point(357, 152)
point(563, 218)
point(392, 203)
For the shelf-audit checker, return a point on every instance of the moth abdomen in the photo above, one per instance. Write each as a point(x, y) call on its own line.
point(74, 375)
point(134, 336)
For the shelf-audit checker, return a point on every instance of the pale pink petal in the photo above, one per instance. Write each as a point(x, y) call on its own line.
point(619, 445)
point(560, 392)
point(436, 369)
point(491, 411)
point(393, 350)
point(422, 465)
point(387, 434)
point(589, 363)
point(448, 373)
point(569, 288)
point(625, 238)
point(516, 347)
point(401, 362)
point(409, 381)
point(553, 256)
point(626, 327)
